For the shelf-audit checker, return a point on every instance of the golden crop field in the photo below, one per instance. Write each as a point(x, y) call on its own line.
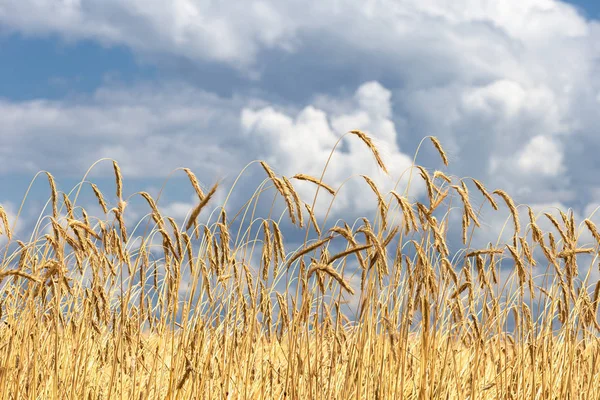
point(381, 307)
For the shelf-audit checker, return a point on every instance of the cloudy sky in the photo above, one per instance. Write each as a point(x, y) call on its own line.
point(511, 88)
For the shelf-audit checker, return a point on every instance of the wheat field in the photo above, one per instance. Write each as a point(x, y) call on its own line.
point(381, 307)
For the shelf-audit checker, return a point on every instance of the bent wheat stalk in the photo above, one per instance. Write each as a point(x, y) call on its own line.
point(201, 205)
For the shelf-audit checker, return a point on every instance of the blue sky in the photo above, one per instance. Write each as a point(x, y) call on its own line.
point(590, 8)
point(510, 88)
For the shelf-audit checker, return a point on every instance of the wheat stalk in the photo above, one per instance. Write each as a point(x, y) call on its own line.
point(118, 180)
point(100, 198)
point(485, 193)
point(304, 177)
point(307, 249)
point(381, 205)
point(4, 218)
point(328, 269)
point(367, 140)
point(511, 206)
point(195, 183)
point(313, 219)
point(54, 195)
point(438, 146)
point(200, 206)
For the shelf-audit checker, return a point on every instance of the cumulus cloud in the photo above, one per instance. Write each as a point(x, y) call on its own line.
point(541, 155)
point(510, 88)
point(197, 30)
point(149, 130)
point(304, 144)
point(153, 129)
point(206, 30)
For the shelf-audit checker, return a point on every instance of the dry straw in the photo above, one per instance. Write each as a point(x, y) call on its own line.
point(308, 249)
point(54, 195)
point(527, 251)
point(78, 224)
point(347, 252)
point(519, 264)
point(4, 218)
point(296, 198)
point(490, 251)
point(596, 298)
point(468, 210)
point(536, 232)
point(328, 269)
point(592, 227)
point(225, 329)
point(266, 250)
point(22, 274)
point(283, 189)
point(511, 206)
point(438, 146)
point(100, 198)
point(485, 193)
point(438, 200)
point(369, 142)
point(195, 183)
point(428, 182)
point(465, 226)
point(118, 180)
point(441, 175)
point(279, 252)
point(313, 219)
point(119, 212)
point(381, 204)
point(308, 178)
point(201, 205)
point(410, 220)
point(68, 205)
point(554, 221)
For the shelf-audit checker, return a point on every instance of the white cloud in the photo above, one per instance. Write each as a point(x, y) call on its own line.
point(510, 88)
point(207, 30)
point(541, 155)
point(149, 130)
point(374, 99)
point(483, 75)
point(153, 129)
point(303, 144)
point(197, 30)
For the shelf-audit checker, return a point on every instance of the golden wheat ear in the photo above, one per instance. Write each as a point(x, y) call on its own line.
point(200, 206)
point(304, 177)
point(4, 218)
point(438, 146)
point(511, 206)
point(118, 180)
point(369, 142)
